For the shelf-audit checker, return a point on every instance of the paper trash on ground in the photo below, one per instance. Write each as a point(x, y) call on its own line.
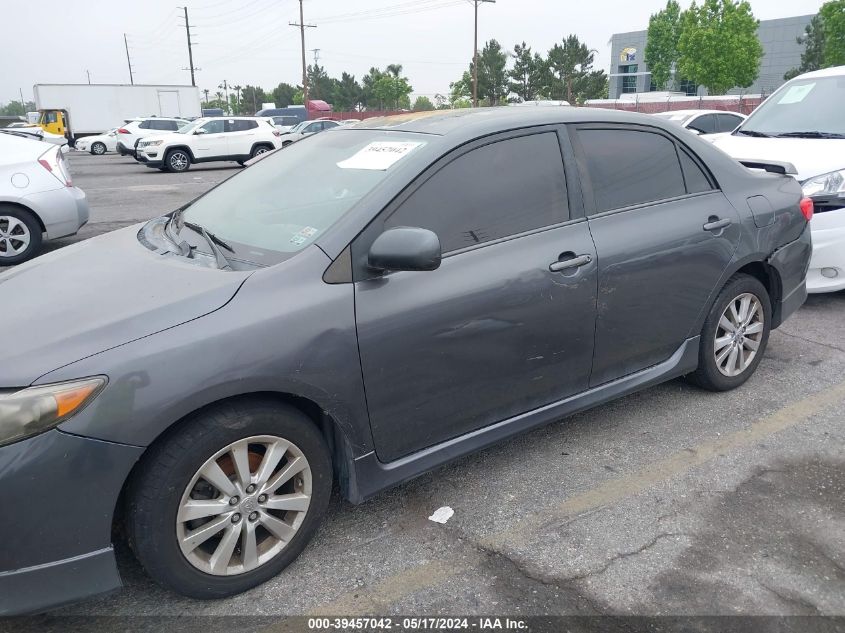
point(379, 155)
point(441, 515)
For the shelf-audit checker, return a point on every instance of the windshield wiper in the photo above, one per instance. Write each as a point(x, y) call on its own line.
point(753, 133)
point(810, 134)
point(213, 241)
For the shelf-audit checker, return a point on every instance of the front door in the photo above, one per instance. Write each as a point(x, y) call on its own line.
point(213, 142)
point(664, 235)
point(506, 324)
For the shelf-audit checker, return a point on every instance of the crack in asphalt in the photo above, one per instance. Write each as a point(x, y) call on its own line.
point(809, 340)
point(791, 599)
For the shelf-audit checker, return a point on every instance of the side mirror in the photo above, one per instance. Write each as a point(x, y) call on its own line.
point(200, 131)
point(405, 248)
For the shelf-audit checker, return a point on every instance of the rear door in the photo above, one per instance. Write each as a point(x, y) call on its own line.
point(506, 324)
point(664, 234)
point(242, 135)
point(213, 142)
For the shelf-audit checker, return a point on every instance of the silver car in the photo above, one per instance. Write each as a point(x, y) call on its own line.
point(306, 128)
point(37, 198)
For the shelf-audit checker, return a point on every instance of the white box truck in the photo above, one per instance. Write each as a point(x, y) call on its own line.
point(75, 110)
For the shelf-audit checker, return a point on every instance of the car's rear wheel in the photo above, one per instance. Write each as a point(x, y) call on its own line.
point(230, 499)
point(20, 235)
point(98, 148)
point(286, 143)
point(177, 160)
point(735, 335)
point(257, 151)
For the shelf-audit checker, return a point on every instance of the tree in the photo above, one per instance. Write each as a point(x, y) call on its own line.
point(15, 108)
point(251, 98)
point(460, 91)
point(393, 91)
point(661, 50)
point(348, 94)
point(368, 83)
point(319, 83)
point(283, 95)
point(813, 56)
point(492, 73)
point(423, 103)
point(526, 76)
point(570, 62)
point(718, 46)
point(594, 85)
point(833, 17)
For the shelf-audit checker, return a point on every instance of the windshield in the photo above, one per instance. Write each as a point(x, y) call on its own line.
point(189, 127)
point(299, 126)
point(281, 204)
point(803, 105)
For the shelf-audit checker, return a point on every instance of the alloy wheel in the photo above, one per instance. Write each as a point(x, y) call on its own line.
point(244, 505)
point(14, 236)
point(98, 148)
point(179, 161)
point(739, 334)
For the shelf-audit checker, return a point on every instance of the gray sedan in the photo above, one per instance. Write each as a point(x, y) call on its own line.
point(362, 307)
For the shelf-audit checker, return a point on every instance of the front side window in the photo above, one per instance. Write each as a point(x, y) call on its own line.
point(213, 127)
point(727, 122)
point(283, 203)
point(501, 189)
point(705, 124)
point(628, 167)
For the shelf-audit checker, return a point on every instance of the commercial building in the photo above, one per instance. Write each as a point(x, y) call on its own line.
point(781, 52)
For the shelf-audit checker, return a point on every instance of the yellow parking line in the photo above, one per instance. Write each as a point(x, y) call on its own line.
point(377, 598)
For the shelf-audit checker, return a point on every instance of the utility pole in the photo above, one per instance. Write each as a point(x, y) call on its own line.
point(316, 52)
point(23, 103)
point(190, 50)
point(475, 54)
point(88, 72)
point(302, 26)
point(128, 61)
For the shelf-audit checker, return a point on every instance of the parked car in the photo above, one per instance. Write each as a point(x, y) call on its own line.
point(307, 128)
point(211, 374)
point(128, 135)
point(704, 122)
point(285, 123)
point(802, 123)
point(98, 144)
point(37, 202)
point(229, 139)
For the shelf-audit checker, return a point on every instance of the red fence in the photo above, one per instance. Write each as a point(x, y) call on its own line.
point(743, 105)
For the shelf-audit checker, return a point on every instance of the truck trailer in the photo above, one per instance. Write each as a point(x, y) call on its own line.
point(76, 110)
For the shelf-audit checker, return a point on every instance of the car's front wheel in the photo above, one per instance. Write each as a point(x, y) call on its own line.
point(177, 160)
point(98, 148)
point(20, 235)
point(230, 499)
point(735, 335)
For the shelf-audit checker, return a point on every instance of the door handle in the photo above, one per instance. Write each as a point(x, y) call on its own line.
point(715, 224)
point(574, 262)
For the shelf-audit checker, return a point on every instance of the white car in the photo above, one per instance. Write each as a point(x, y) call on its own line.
point(704, 122)
point(39, 134)
point(128, 135)
point(307, 128)
point(803, 123)
point(210, 139)
point(99, 144)
point(37, 198)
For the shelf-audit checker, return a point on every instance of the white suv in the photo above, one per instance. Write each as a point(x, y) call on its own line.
point(233, 138)
point(133, 131)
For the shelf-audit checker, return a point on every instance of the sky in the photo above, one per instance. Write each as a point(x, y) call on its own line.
point(250, 42)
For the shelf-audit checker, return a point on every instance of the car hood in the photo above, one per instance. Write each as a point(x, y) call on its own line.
point(96, 295)
point(811, 156)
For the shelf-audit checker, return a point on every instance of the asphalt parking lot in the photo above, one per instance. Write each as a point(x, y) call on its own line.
point(672, 501)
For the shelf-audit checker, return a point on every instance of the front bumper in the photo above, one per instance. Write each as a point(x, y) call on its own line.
point(828, 252)
point(150, 159)
point(60, 492)
point(63, 210)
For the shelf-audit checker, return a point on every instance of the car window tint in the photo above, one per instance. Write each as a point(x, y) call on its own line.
point(241, 125)
point(696, 179)
point(706, 124)
point(727, 122)
point(497, 190)
point(214, 127)
point(145, 125)
point(628, 167)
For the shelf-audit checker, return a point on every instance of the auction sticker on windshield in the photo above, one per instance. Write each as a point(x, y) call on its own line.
point(796, 94)
point(380, 155)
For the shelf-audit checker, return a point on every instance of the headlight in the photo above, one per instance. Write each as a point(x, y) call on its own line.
point(832, 184)
point(153, 143)
point(37, 409)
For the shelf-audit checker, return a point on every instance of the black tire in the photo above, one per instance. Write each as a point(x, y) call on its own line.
point(286, 143)
point(177, 160)
point(30, 225)
point(258, 150)
point(98, 148)
point(708, 375)
point(156, 490)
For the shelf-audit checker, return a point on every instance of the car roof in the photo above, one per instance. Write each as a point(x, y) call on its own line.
point(835, 71)
point(693, 112)
point(479, 121)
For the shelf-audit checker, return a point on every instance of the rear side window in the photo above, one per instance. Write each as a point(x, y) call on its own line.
point(706, 124)
point(696, 179)
point(241, 125)
point(628, 167)
point(163, 125)
point(145, 125)
point(498, 190)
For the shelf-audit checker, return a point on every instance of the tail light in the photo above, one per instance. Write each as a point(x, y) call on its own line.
point(53, 161)
point(807, 208)
point(123, 130)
